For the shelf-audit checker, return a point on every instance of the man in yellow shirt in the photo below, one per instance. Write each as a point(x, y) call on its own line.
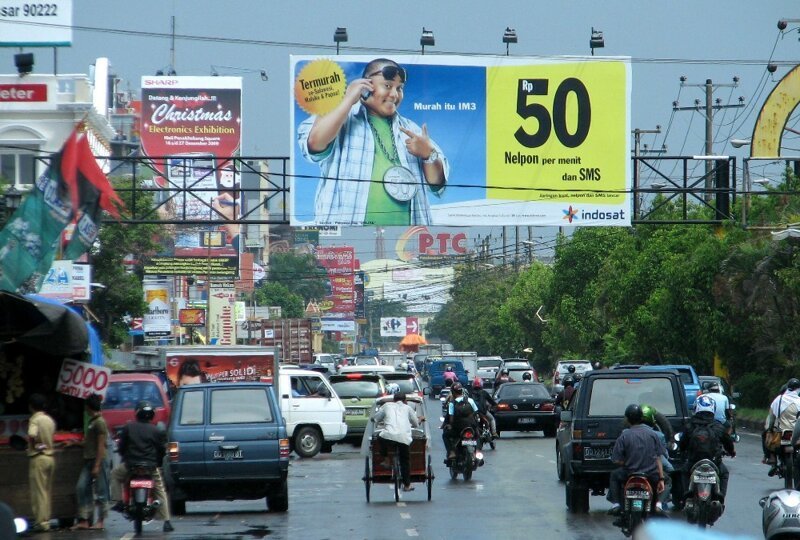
point(40, 471)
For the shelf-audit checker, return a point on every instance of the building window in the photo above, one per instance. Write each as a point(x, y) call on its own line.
point(18, 165)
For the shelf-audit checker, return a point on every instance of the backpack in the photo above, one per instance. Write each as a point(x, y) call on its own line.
point(462, 409)
point(704, 442)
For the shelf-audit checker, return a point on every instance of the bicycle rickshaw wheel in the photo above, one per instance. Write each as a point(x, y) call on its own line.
point(396, 476)
point(429, 479)
point(367, 478)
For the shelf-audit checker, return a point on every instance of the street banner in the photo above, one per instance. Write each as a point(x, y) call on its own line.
point(340, 265)
point(359, 311)
point(158, 315)
point(469, 140)
point(393, 326)
point(191, 126)
point(30, 24)
point(235, 366)
point(221, 318)
point(82, 379)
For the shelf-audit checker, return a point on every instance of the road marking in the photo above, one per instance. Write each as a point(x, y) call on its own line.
point(401, 504)
point(412, 532)
point(405, 515)
point(553, 461)
point(539, 455)
point(127, 536)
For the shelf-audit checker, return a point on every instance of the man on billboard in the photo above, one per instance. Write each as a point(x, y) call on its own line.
point(376, 166)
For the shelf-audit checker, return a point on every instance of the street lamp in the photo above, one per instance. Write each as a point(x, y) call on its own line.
point(738, 143)
point(339, 36)
point(596, 40)
point(427, 39)
point(763, 182)
point(510, 36)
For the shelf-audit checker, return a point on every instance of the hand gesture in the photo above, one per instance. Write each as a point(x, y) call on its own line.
point(418, 145)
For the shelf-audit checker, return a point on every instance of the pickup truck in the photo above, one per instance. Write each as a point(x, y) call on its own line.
point(436, 375)
point(596, 417)
point(227, 441)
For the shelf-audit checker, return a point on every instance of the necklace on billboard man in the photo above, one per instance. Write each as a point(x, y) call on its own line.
point(398, 181)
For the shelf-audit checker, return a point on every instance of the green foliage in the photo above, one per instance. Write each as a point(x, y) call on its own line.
point(757, 389)
point(277, 294)
point(299, 273)
point(123, 293)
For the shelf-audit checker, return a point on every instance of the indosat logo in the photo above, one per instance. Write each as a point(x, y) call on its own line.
point(429, 244)
point(571, 214)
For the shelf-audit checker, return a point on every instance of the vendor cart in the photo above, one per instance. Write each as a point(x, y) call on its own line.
point(419, 453)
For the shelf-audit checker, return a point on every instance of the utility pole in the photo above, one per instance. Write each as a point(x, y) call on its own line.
point(711, 105)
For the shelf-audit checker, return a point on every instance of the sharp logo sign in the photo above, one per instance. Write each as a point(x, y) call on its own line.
point(429, 243)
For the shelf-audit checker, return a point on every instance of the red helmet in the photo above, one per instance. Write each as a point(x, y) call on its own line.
point(477, 382)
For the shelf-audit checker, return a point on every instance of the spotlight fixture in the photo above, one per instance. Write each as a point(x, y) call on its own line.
point(426, 39)
point(510, 36)
point(339, 36)
point(24, 63)
point(596, 40)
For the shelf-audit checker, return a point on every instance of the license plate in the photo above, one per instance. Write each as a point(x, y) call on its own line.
point(142, 484)
point(355, 412)
point(526, 420)
point(637, 504)
point(598, 452)
point(469, 442)
point(704, 479)
point(228, 455)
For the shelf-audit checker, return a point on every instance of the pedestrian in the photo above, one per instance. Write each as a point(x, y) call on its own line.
point(92, 484)
point(41, 464)
point(398, 419)
point(377, 167)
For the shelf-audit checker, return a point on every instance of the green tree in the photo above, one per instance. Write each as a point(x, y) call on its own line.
point(299, 273)
point(123, 293)
point(277, 294)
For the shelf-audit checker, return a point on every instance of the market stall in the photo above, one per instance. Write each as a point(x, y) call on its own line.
point(38, 338)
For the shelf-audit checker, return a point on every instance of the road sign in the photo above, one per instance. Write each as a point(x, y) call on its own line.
point(412, 325)
point(393, 326)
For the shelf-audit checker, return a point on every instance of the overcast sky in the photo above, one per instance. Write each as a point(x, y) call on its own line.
point(666, 40)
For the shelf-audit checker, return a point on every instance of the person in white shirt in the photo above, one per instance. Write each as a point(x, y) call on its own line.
point(722, 413)
point(398, 419)
point(782, 416)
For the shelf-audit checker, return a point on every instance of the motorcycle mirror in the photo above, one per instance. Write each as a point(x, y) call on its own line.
point(678, 437)
point(733, 407)
point(20, 525)
point(441, 419)
point(762, 502)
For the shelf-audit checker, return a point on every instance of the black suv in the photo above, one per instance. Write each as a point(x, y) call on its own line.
point(595, 418)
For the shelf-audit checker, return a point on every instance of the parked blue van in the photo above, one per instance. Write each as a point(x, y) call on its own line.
point(436, 375)
point(227, 441)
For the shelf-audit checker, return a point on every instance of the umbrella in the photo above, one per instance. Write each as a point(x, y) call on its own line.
point(413, 339)
point(42, 324)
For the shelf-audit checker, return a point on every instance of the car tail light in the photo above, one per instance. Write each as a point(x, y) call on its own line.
point(284, 449)
point(577, 450)
point(503, 407)
point(468, 434)
point(173, 451)
point(354, 375)
point(548, 407)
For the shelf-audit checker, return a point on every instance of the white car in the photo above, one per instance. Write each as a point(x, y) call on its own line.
point(487, 369)
point(562, 370)
point(344, 370)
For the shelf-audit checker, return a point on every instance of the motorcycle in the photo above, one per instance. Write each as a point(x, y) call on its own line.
point(137, 497)
point(786, 460)
point(638, 501)
point(704, 503)
point(485, 435)
point(468, 457)
point(443, 395)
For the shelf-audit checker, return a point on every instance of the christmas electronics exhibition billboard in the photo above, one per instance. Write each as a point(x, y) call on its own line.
point(459, 141)
point(190, 127)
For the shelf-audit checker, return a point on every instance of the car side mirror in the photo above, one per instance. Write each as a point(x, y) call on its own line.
point(426, 391)
point(762, 502)
point(566, 416)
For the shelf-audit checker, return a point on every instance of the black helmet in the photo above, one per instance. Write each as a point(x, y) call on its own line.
point(145, 411)
point(527, 376)
point(457, 388)
point(793, 384)
point(569, 380)
point(571, 368)
point(634, 414)
point(504, 371)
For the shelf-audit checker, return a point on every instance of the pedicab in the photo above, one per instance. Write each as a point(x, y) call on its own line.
point(420, 468)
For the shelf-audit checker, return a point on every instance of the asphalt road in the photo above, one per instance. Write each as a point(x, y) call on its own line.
point(515, 495)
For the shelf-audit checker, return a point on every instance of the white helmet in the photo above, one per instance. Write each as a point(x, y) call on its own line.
point(705, 404)
point(781, 515)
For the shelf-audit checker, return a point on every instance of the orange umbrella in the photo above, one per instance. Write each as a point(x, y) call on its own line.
point(413, 339)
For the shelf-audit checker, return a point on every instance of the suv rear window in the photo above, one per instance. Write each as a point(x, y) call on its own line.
point(609, 397)
point(125, 395)
point(511, 391)
point(489, 363)
point(356, 388)
point(240, 406)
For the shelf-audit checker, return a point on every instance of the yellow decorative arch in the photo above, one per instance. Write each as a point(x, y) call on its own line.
point(774, 115)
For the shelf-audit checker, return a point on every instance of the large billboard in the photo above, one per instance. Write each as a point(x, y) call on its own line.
point(453, 140)
point(340, 265)
point(191, 127)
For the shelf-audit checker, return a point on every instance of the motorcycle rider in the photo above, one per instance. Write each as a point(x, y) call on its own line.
point(782, 416)
point(503, 378)
point(485, 403)
point(458, 418)
point(142, 443)
point(723, 412)
point(638, 450)
point(704, 438)
point(565, 395)
point(659, 423)
point(449, 374)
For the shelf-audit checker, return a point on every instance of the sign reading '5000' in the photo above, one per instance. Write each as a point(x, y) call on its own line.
point(460, 141)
